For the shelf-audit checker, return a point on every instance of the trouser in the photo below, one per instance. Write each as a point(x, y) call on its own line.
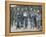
point(12, 19)
point(26, 22)
point(32, 22)
point(18, 25)
point(22, 22)
point(38, 24)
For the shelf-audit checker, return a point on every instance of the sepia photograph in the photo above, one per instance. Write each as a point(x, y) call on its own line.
point(25, 18)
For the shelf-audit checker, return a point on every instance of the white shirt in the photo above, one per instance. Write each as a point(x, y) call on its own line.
point(24, 14)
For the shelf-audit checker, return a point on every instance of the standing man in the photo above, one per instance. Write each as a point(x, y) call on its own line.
point(25, 14)
point(18, 17)
point(22, 18)
point(38, 18)
point(31, 17)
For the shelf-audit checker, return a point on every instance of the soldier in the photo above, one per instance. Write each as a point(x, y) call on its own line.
point(12, 15)
point(38, 19)
point(25, 14)
point(31, 17)
point(22, 18)
point(18, 17)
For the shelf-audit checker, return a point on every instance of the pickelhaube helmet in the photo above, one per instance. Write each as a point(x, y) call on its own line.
point(22, 9)
point(36, 9)
point(18, 8)
point(30, 8)
point(25, 8)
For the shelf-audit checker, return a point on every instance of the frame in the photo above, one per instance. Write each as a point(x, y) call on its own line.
point(8, 18)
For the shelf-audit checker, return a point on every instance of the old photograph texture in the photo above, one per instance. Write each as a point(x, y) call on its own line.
point(25, 18)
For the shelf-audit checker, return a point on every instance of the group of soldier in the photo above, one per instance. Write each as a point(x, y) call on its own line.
point(24, 16)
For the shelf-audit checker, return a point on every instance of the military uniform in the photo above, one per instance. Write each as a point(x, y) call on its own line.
point(31, 17)
point(18, 17)
point(25, 14)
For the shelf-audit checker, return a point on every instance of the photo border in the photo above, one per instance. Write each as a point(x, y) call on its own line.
point(7, 18)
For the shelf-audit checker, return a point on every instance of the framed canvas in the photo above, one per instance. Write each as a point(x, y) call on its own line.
point(24, 18)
